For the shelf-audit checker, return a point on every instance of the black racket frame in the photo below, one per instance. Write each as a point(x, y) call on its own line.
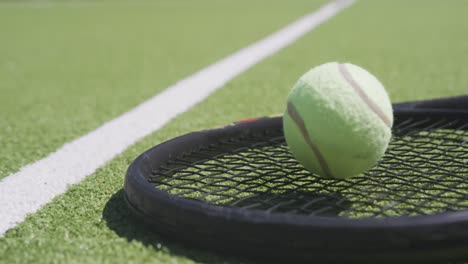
point(295, 238)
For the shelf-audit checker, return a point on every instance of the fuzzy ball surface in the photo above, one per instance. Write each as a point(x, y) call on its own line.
point(338, 120)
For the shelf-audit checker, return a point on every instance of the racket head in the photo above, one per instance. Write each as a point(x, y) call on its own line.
point(177, 211)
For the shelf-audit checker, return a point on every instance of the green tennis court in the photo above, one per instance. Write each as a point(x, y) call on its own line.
point(67, 67)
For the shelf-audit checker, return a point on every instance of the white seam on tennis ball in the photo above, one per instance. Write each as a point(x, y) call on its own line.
point(36, 184)
point(299, 121)
point(360, 92)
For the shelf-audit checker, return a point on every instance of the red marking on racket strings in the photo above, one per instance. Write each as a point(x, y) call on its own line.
point(248, 120)
point(373, 106)
point(300, 123)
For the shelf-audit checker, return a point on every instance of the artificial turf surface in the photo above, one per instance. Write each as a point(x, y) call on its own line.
point(56, 86)
point(67, 67)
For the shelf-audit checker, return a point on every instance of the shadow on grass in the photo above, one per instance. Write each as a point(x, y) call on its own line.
point(119, 219)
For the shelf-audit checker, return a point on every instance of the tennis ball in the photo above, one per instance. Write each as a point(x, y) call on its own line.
point(338, 120)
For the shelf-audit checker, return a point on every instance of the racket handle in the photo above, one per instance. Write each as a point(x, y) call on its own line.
point(450, 103)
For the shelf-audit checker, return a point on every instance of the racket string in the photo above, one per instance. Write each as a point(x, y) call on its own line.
point(423, 172)
point(420, 157)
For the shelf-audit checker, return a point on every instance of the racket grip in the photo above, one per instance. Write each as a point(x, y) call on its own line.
point(449, 103)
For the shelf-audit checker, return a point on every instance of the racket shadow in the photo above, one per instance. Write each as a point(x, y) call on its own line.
point(125, 224)
point(296, 202)
point(120, 220)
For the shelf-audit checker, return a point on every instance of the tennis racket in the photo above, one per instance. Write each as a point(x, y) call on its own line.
point(237, 190)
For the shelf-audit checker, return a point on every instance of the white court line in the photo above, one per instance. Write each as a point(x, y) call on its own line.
point(38, 183)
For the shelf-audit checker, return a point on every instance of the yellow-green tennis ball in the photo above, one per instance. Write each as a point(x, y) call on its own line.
point(338, 120)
